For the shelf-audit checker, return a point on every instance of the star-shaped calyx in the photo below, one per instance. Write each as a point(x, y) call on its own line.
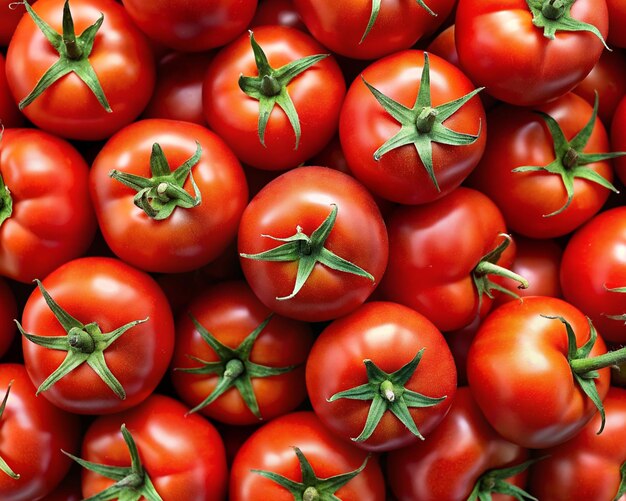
point(494, 482)
point(376, 10)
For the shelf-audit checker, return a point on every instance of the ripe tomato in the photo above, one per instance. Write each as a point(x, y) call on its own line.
point(281, 12)
point(617, 21)
point(115, 297)
point(618, 138)
point(10, 15)
point(46, 218)
point(335, 244)
point(10, 116)
point(178, 237)
point(8, 312)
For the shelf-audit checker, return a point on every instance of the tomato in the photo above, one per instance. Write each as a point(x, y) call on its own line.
point(10, 116)
point(462, 454)
point(459, 342)
point(108, 296)
point(398, 155)
point(504, 46)
point(190, 227)
point(120, 58)
point(617, 21)
point(404, 361)
point(338, 248)
point(11, 13)
point(8, 312)
point(446, 258)
point(279, 124)
point(530, 381)
point(560, 179)
point(46, 217)
point(191, 25)
point(353, 29)
point(272, 449)
point(263, 355)
point(281, 12)
point(182, 455)
point(33, 433)
point(69, 489)
point(618, 138)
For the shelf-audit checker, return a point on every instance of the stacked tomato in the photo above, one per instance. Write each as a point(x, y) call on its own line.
point(312, 250)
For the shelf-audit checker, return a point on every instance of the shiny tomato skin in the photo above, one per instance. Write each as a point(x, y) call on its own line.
point(10, 116)
point(8, 312)
point(317, 95)
point(500, 48)
point(364, 126)
point(281, 12)
point(390, 335)
point(271, 448)
point(121, 58)
point(618, 138)
point(33, 433)
point(182, 454)
point(52, 220)
point(519, 374)
point(112, 294)
point(188, 238)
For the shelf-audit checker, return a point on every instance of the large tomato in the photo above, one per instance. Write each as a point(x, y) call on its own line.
point(93, 298)
point(46, 217)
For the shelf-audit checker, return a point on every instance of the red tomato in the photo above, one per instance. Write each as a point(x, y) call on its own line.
point(10, 116)
point(316, 94)
point(617, 21)
point(8, 312)
point(460, 453)
point(520, 63)
point(537, 203)
point(459, 342)
point(69, 489)
point(229, 313)
point(313, 281)
point(121, 59)
point(367, 130)
point(183, 455)
point(189, 236)
point(520, 374)
point(46, 217)
point(281, 12)
point(388, 336)
point(33, 433)
point(110, 294)
point(10, 14)
point(618, 138)
point(271, 449)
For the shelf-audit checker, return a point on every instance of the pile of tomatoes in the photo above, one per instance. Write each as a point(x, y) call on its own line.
point(312, 250)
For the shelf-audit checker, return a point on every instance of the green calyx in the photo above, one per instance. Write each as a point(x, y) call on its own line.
point(422, 124)
point(619, 290)
point(234, 368)
point(387, 393)
point(554, 15)
point(6, 202)
point(159, 195)
point(4, 467)
point(487, 266)
point(308, 251)
point(83, 343)
point(570, 160)
point(270, 87)
point(73, 52)
point(312, 488)
point(622, 485)
point(494, 482)
point(376, 10)
point(132, 483)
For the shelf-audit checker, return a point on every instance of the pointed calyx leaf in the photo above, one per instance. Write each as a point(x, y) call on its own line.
point(160, 194)
point(308, 251)
point(487, 266)
point(270, 87)
point(422, 124)
point(83, 344)
point(388, 393)
point(6, 201)
point(619, 290)
point(131, 482)
point(234, 368)
point(74, 52)
point(312, 488)
point(622, 485)
point(494, 482)
point(4, 467)
point(555, 15)
point(570, 160)
point(376, 10)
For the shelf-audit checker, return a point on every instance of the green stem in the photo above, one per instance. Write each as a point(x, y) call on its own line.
point(270, 86)
point(570, 159)
point(553, 9)
point(487, 268)
point(310, 494)
point(80, 340)
point(387, 390)
point(426, 120)
point(234, 368)
point(586, 365)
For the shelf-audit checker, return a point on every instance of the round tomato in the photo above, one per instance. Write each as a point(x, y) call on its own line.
point(10, 14)
point(109, 325)
point(281, 12)
point(8, 312)
point(10, 116)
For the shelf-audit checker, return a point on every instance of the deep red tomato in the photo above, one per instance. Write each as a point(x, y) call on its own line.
point(264, 357)
point(461, 454)
point(272, 449)
point(69, 489)
point(33, 433)
point(191, 25)
point(316, 94)
point(398, 155)
point(121, 59)
point(10, 14)
point(338, 248)
point(114, 296)
point(203, 219)
point(8, 312)
point(617, 21)
point(555, 200)
point(46, 217)
point(281, 12)
point(618, 138)
point(404, 360)
point(521, 63)
point(526, 377)
point(10, 116)
point(182, 455)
